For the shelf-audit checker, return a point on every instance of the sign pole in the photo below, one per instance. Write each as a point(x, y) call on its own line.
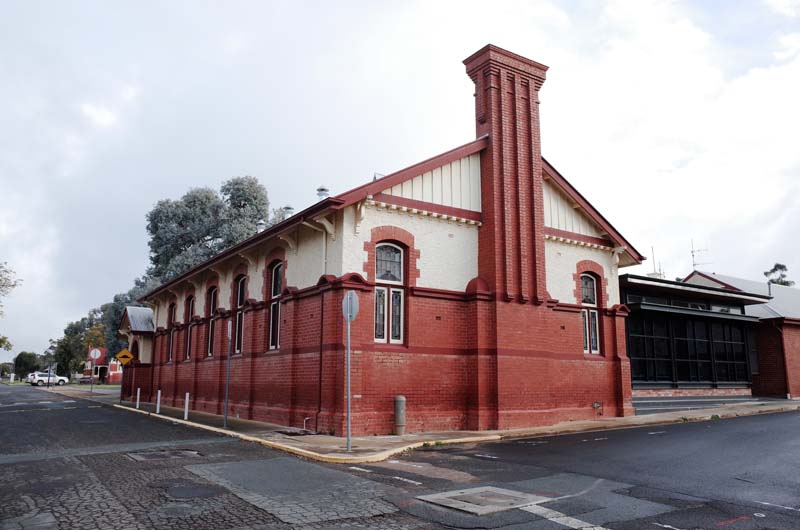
point(227, 375)
point(347, 369)
point(349, 310)
point(91, 376)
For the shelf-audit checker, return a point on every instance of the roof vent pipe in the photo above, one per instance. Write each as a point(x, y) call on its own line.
point(288, 211)
point(261, 225)
point(323, 192)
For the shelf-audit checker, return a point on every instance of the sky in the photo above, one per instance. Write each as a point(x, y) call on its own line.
point(677, 120)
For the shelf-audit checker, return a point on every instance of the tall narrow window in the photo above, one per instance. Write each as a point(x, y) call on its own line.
point(276, 284)
point(211, 308)
point(241, 284)
point(189, 325)
point(171, 326)
point(389, 294)
point(591, 326)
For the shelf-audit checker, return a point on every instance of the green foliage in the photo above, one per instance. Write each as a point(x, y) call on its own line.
point(24, 363)
point(777, 275)
point(190, 230)
point(5, 344)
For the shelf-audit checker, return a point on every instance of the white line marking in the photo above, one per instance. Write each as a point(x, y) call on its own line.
point(599, 439)
point(670, 527)
point(657, 432)
point(408, 480)
point(488, 456)
point(44, 402)
point(560, 518)
point(360, 469)
point(778, 506)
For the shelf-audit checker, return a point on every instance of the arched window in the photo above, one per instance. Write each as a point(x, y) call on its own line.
point(211, 309)
point(241, 290)
point(275, 287)
point(171, 326)
point(189, 325)
point(135, 352)
point(591, 325)
point(389, 293)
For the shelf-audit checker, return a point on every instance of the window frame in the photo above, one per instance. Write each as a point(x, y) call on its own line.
point(274, 338)
point(241, 295)
point(173, 307)
point(590, 319)
point(389, 288)
point(187, 355)
point(212, 302)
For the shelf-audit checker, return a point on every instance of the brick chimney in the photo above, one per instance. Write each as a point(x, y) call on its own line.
point(511, 241)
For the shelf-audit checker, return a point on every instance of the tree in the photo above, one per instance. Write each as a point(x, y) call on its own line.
point(7, 283)
point(24, 363)
point(777, 275)
point(186, 232)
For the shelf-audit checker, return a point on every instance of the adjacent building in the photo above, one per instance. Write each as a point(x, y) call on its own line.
point(778, 332)
point(488, 288)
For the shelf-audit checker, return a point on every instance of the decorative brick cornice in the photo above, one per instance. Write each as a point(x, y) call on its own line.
point(452, 218)
point(574, 241)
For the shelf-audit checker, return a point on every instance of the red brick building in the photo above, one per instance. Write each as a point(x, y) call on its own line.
point(488, 288)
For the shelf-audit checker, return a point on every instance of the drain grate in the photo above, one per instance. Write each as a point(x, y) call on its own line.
point(146, 456)
point(484, 500)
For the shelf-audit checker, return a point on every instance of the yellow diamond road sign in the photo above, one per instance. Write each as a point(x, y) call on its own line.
point(124, 357)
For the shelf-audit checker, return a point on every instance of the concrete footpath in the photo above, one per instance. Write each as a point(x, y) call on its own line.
point(367, 449)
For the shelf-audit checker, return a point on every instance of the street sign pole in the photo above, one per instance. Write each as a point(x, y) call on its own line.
point(349, 310)
point(91, 376)
point(227, 375)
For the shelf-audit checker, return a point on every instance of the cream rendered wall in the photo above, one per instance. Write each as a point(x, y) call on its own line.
point(559, 213)
point(305, 265)
point(448, 249)
point(561, 261)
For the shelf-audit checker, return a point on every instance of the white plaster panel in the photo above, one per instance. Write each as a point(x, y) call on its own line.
point(561, 260)
point(305, 265)
point(448, 249)
point(559, 213)
point(456, 184)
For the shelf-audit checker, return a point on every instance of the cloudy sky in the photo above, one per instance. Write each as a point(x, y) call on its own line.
point(678, 120)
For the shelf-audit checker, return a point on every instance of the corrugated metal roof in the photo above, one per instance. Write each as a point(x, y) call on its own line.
point(140, 318)
point(785, 300)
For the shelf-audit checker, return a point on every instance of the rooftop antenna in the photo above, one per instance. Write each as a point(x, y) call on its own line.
point(695, 256)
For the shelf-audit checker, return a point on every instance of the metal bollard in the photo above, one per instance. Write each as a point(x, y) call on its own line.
point(186, 407)
point(399, 415)
point(138, 394)
point(158, 402)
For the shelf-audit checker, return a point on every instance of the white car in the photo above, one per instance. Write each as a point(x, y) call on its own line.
point(42, 378)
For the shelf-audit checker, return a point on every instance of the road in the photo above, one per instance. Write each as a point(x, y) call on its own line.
point(71, 463)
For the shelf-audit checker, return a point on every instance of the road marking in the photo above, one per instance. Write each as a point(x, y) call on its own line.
point(599, 439)
point(94, 406)
point(778, 506)
point(488, 456)
point(731, 521)
point(532, 443)
point(44, 402)
point(69, 408)
point(360, 469)
point(657, 432)
point(759, 515)
point(560, 518)
point(408, 480)
point(668, 526)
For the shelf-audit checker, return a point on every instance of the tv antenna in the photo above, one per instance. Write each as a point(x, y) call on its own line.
point(695, 255)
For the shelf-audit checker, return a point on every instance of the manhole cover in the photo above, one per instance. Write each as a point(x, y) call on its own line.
point(163, 455)
point(482, 501)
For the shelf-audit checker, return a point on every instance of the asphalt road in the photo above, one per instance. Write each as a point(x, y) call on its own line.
point(71, 463)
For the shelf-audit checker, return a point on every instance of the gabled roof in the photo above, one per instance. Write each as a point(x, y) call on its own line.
point(376, 186)
point(139, 319)
point(590, 211)
point(785, 301)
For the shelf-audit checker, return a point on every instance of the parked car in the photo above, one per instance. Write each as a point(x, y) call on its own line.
point(43, 378)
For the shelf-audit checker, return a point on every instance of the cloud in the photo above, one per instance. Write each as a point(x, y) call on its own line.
point(98, 115)
point(787, 8)
point(789, 46)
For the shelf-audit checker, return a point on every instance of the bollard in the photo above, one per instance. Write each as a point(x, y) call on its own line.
point(186, 407)
point(138, 393)
point(399, 415)
point(158, 402)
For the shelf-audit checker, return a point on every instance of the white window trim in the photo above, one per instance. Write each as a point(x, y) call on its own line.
point(275, 305)
point(402, 315)
point(190, 313)
point(385, 313)
point(587, 313)
point(237, 348)
point(402, 258)
point(171, 345)
point(212, 296)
